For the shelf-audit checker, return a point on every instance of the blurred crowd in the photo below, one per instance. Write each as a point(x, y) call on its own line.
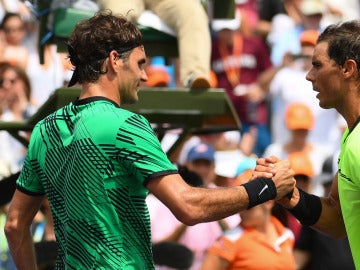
point(260, 57)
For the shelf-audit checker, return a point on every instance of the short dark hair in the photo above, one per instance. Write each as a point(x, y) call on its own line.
point(20, 73)
point(93, 39)
point(8, 16)
point(343, 41)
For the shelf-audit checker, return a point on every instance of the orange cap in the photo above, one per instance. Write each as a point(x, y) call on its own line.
point(301, 164)
point(309, 37)
point(157, 77)
point(299, 116)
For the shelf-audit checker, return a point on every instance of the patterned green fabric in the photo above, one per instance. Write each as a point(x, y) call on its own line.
point(93, 160)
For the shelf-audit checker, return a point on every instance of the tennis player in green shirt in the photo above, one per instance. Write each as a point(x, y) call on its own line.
point(96, 163)
point(335, 76)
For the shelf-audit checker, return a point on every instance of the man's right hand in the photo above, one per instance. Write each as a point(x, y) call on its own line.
point(280, 172)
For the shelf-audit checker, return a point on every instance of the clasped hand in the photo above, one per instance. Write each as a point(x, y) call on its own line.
point(280, 172)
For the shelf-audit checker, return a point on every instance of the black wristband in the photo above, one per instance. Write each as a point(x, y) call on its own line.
point(260, 190)
point(308, 209)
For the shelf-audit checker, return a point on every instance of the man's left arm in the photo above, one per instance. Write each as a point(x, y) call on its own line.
point(321, 213)
point(21, 213)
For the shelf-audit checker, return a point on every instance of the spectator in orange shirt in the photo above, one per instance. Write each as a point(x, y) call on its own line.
point(259, 242)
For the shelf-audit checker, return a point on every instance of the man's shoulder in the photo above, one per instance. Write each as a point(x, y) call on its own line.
point(352, 139)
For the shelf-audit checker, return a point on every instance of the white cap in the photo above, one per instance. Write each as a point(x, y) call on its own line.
point(227, 162)
point(312, 7)
point(231, 24)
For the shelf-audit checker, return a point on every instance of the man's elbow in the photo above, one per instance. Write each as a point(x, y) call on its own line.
point(188, 220)
point(188, 217)
point(11, 230)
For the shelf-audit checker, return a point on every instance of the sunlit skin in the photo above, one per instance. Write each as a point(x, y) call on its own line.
point(122, 80)
point(13, 93)
point(325, 76)
point(14, 30)
point(131, 76)
point(257, 217)
point(336, 85)
point(11, 82)
point(226, 36)
point(190, 205)
point(12, 48)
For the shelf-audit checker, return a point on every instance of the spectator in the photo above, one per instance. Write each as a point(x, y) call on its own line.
point(45, 78)
point(303, 174)
point(53, 72)
point(14, 6)
point(198, 238)
point(249, 15)
point(15, 82)
point(201, 159)
point(238, 61)
point(289, 85)
point(287, 42)
point(271, 10)
point(335, 77)
point(340, 10)
point(158, 76)
point(188, 19)
point(17, 106)
point(259, 242)
point(299, 121)
point(226, 165)
point(221, 138)
point(97, 162)
point(12, 47)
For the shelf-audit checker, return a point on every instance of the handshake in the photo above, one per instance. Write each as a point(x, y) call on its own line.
point(272, 179)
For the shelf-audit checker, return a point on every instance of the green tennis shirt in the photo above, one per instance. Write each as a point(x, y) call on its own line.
point(93, 160)
point(349, 188)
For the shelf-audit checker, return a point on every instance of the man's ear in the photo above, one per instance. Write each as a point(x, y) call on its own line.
point(114, 60)
point(350, 69)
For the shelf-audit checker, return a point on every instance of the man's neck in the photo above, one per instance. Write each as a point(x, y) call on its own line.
point(97, 89)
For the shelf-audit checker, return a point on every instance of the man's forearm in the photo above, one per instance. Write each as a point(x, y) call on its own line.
point(22, 250)
point(308, 209)
point(331, 220)
point(22, 211)
point(328, 221)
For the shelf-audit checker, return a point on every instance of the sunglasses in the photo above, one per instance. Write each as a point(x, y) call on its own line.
point(11, 81)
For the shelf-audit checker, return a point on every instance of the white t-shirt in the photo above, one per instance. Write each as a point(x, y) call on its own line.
point(45, 80)
point(12, 152)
